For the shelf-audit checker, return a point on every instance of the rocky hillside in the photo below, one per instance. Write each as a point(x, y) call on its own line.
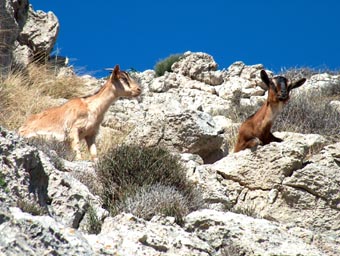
point(281, 199)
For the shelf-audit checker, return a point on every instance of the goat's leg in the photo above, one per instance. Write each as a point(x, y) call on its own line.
point(90, 141)
point(253, 143)
point(274, 139)
point(75, 143)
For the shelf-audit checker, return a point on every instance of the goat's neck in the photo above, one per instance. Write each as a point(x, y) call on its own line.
point(99, 103)
point(269, 112)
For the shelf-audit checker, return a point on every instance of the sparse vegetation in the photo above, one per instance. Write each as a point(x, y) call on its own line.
point(165, 64)
point(295, 74)
point(28, 92)
point(310, 113)
point(303, 72)
point(30, 207)
point(3, 183)
point(94, 224)
point(54, 149)
point(135, 177)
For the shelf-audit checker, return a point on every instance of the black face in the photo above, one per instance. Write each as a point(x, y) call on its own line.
point(281, 84)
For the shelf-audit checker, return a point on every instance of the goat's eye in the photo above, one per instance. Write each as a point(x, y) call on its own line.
point(125, 80)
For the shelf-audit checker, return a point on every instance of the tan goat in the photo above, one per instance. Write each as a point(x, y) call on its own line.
point(79, 118)
point(256, 129)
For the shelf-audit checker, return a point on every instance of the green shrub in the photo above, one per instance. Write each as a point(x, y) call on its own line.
point(3, 183)
point(93, 224)
point(165, 64)
point(134, 178)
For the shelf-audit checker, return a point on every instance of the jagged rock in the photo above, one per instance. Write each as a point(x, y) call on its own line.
point(185, 132)
point(25, 34)
point(241, 81)
point(39, 35)
point(281, 182)
point(24, 234)
point(127, 235)
point(322, 84)
point(13, 14)
point(22, 171)
point(198, 66)
point(235, 234)
point(30, 175)
point(211, 77)
point(164, 83)
point(335, 104)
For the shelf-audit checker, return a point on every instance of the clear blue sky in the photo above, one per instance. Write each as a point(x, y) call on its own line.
point(98, 34)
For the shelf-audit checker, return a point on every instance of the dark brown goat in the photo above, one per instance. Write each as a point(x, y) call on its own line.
point(256, 129)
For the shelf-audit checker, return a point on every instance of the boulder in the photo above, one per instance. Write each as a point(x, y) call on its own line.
point(185, 132)
point(198, 66)
point(287, 182)
point(26, 35)
point(126, 234)
point(24, 234)
point(37, 38)
point(235, 234)
point(13, 14)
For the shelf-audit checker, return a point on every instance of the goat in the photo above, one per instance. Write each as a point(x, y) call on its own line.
point(256, 129)
point(80, 118)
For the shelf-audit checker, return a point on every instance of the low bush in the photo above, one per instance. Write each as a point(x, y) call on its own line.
point(147, 181)
point(156, 199)
point(165, 64)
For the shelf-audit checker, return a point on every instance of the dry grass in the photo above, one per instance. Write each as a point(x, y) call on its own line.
point(28, 92)
point(110, 137)
point(310, 113)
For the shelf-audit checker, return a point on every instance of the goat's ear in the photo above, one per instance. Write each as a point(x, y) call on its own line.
point(116, 72)
point(297, 83)
point(265, 79)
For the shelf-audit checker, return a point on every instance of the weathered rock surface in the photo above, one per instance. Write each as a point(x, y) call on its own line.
point(185, 132)
point(234, 234)
point(25, 35)
point(281, 182)
point(285, 195)
point(24, 234)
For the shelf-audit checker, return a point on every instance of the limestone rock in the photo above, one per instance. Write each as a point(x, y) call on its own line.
point(39, 35)
point(234, 234)
point(128, 235)
point(186, 132)
point(26, 35)
point(24, 234)
point(194, 65)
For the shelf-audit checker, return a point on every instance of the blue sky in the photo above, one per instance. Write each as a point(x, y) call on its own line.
point(136, 34)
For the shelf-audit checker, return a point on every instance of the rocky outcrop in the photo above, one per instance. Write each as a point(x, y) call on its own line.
point(184, 132)
point(25, 35)
point(24, 234)
point(280, 199)
point(281, 183)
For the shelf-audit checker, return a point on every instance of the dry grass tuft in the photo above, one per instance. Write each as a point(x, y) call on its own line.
point(28, 92)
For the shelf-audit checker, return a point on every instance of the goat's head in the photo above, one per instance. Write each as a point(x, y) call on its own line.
point(123, 84)
point(279, 87)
